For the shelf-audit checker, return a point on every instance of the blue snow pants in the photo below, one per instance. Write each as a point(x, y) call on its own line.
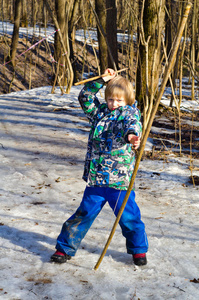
point(94, 198)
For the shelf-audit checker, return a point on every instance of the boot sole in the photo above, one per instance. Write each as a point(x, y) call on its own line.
point(60, 259)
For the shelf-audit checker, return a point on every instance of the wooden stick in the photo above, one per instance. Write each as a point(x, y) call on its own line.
point(144, 139)
point(97, 77)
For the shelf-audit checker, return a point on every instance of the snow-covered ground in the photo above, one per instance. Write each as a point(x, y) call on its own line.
point(81, 35)
point(42, 146)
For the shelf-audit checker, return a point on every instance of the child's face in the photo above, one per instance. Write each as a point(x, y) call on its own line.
point(114, 102)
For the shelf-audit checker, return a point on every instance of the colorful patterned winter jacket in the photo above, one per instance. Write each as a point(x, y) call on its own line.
point(110, 158)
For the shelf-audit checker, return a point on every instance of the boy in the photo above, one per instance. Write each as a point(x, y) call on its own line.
point(109, 163)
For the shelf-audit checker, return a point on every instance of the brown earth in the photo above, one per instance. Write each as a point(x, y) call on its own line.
point(185, 132)
point(33, 69)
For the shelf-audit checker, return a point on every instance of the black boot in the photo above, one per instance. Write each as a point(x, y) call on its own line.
point(140, 259)
point(60, 257)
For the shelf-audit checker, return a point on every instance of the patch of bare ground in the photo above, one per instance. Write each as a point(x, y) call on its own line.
point(174, 133)
point(33, 69)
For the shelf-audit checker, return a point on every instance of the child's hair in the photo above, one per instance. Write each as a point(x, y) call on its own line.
point(120, 86)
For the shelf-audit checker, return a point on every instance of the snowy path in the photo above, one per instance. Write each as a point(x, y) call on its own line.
point(41, 161)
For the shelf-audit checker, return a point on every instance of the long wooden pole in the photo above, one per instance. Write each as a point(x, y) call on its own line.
point(97, 77)
point(144, 139)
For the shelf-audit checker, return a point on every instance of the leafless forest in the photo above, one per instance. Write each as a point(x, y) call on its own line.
point(148, 31)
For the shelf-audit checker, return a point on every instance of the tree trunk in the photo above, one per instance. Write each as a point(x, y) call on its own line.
point(111, 29)
point(24, 17)
point(60, 8)
point(73, 17)
point(193, 52)
point(171, 23)
point(15, 35)
point(44, 16)
point(103, 52)
point(150, 32)
point(34, 12)
point(175, 9)
point(62, 44)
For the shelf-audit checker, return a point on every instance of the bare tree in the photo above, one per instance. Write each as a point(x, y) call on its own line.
point(73, 19)
point(24, 16)
point(193, 47)
point(34, 12)
point(111, 30)
point(61, 42)
point(60, 9)
point(150, 30)
point(15, 35)
point(100, 8)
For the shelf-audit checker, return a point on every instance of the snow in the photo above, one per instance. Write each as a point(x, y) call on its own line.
point(91, 34)
point(43, 144)
point(7, 28)
point(186, 105)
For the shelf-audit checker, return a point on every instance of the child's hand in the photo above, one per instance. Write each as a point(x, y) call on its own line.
point(110, 74)
point(134, 140)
